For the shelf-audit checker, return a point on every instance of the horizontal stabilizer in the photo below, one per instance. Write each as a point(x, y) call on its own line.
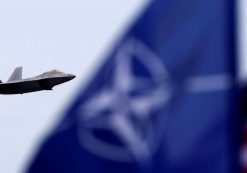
point(16, 75)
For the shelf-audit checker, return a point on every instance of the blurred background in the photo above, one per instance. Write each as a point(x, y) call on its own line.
point(74, 36)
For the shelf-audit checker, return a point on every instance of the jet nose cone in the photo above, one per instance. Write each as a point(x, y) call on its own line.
point(71, 76)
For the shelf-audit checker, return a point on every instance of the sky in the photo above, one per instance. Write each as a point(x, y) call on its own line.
point(73, 36)
point(242, 39)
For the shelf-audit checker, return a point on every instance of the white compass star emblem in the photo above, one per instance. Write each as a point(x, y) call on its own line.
point(152, 93)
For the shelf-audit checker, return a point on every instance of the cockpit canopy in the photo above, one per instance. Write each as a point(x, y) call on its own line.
point(53, 73)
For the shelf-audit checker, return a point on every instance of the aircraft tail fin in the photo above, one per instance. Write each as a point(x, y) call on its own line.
point(1, 81)
point(16, 75)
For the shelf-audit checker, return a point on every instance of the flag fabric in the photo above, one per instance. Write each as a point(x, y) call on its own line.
point(244, 132)
point(163, 101)
point(244, 149)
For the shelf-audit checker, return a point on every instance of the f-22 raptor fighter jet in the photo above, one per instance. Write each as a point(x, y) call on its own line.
point(45, 81)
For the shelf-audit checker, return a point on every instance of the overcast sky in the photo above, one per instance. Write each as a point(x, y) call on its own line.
point(70, 35)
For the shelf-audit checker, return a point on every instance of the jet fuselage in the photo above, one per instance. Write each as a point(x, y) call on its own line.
point(45, 81)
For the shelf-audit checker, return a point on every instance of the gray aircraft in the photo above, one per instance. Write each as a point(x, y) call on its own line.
point(45, 81)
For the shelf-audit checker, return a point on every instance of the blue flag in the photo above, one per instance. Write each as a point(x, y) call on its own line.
point(162, 102)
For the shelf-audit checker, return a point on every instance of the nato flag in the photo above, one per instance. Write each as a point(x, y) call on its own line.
point(164, 100)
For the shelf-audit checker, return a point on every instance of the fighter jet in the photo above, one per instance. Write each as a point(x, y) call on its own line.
point(45, 81)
